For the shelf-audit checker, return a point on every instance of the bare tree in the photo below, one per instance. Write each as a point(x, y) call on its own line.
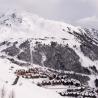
point(3, 92)
point(12, 94)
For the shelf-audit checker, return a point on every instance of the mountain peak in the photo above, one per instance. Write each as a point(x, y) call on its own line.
point(28, 25)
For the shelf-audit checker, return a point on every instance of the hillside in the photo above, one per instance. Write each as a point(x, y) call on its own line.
point(50, 57)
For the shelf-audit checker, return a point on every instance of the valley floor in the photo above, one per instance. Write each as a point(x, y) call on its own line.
point(27, 87)
point(24, 88)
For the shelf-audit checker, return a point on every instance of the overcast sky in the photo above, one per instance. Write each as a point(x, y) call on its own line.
point(75, 12)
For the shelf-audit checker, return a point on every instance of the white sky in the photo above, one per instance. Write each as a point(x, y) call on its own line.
point(76, 12)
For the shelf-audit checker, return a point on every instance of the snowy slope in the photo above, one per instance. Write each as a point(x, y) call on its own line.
point(24, 88)
point(23, 25)
point(32, 25)
point(17, 27)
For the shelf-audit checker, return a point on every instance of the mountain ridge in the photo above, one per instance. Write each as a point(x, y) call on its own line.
point(54, 47)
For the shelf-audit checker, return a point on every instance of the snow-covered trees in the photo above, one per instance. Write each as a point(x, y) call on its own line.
point(6, 94)
point(3, 92)
point(12, 94)
point(96, 82)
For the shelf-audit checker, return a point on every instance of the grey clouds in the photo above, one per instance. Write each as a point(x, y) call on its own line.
point(75, 12)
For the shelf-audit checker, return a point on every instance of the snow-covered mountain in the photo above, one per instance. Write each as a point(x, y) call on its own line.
point(50, 53)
